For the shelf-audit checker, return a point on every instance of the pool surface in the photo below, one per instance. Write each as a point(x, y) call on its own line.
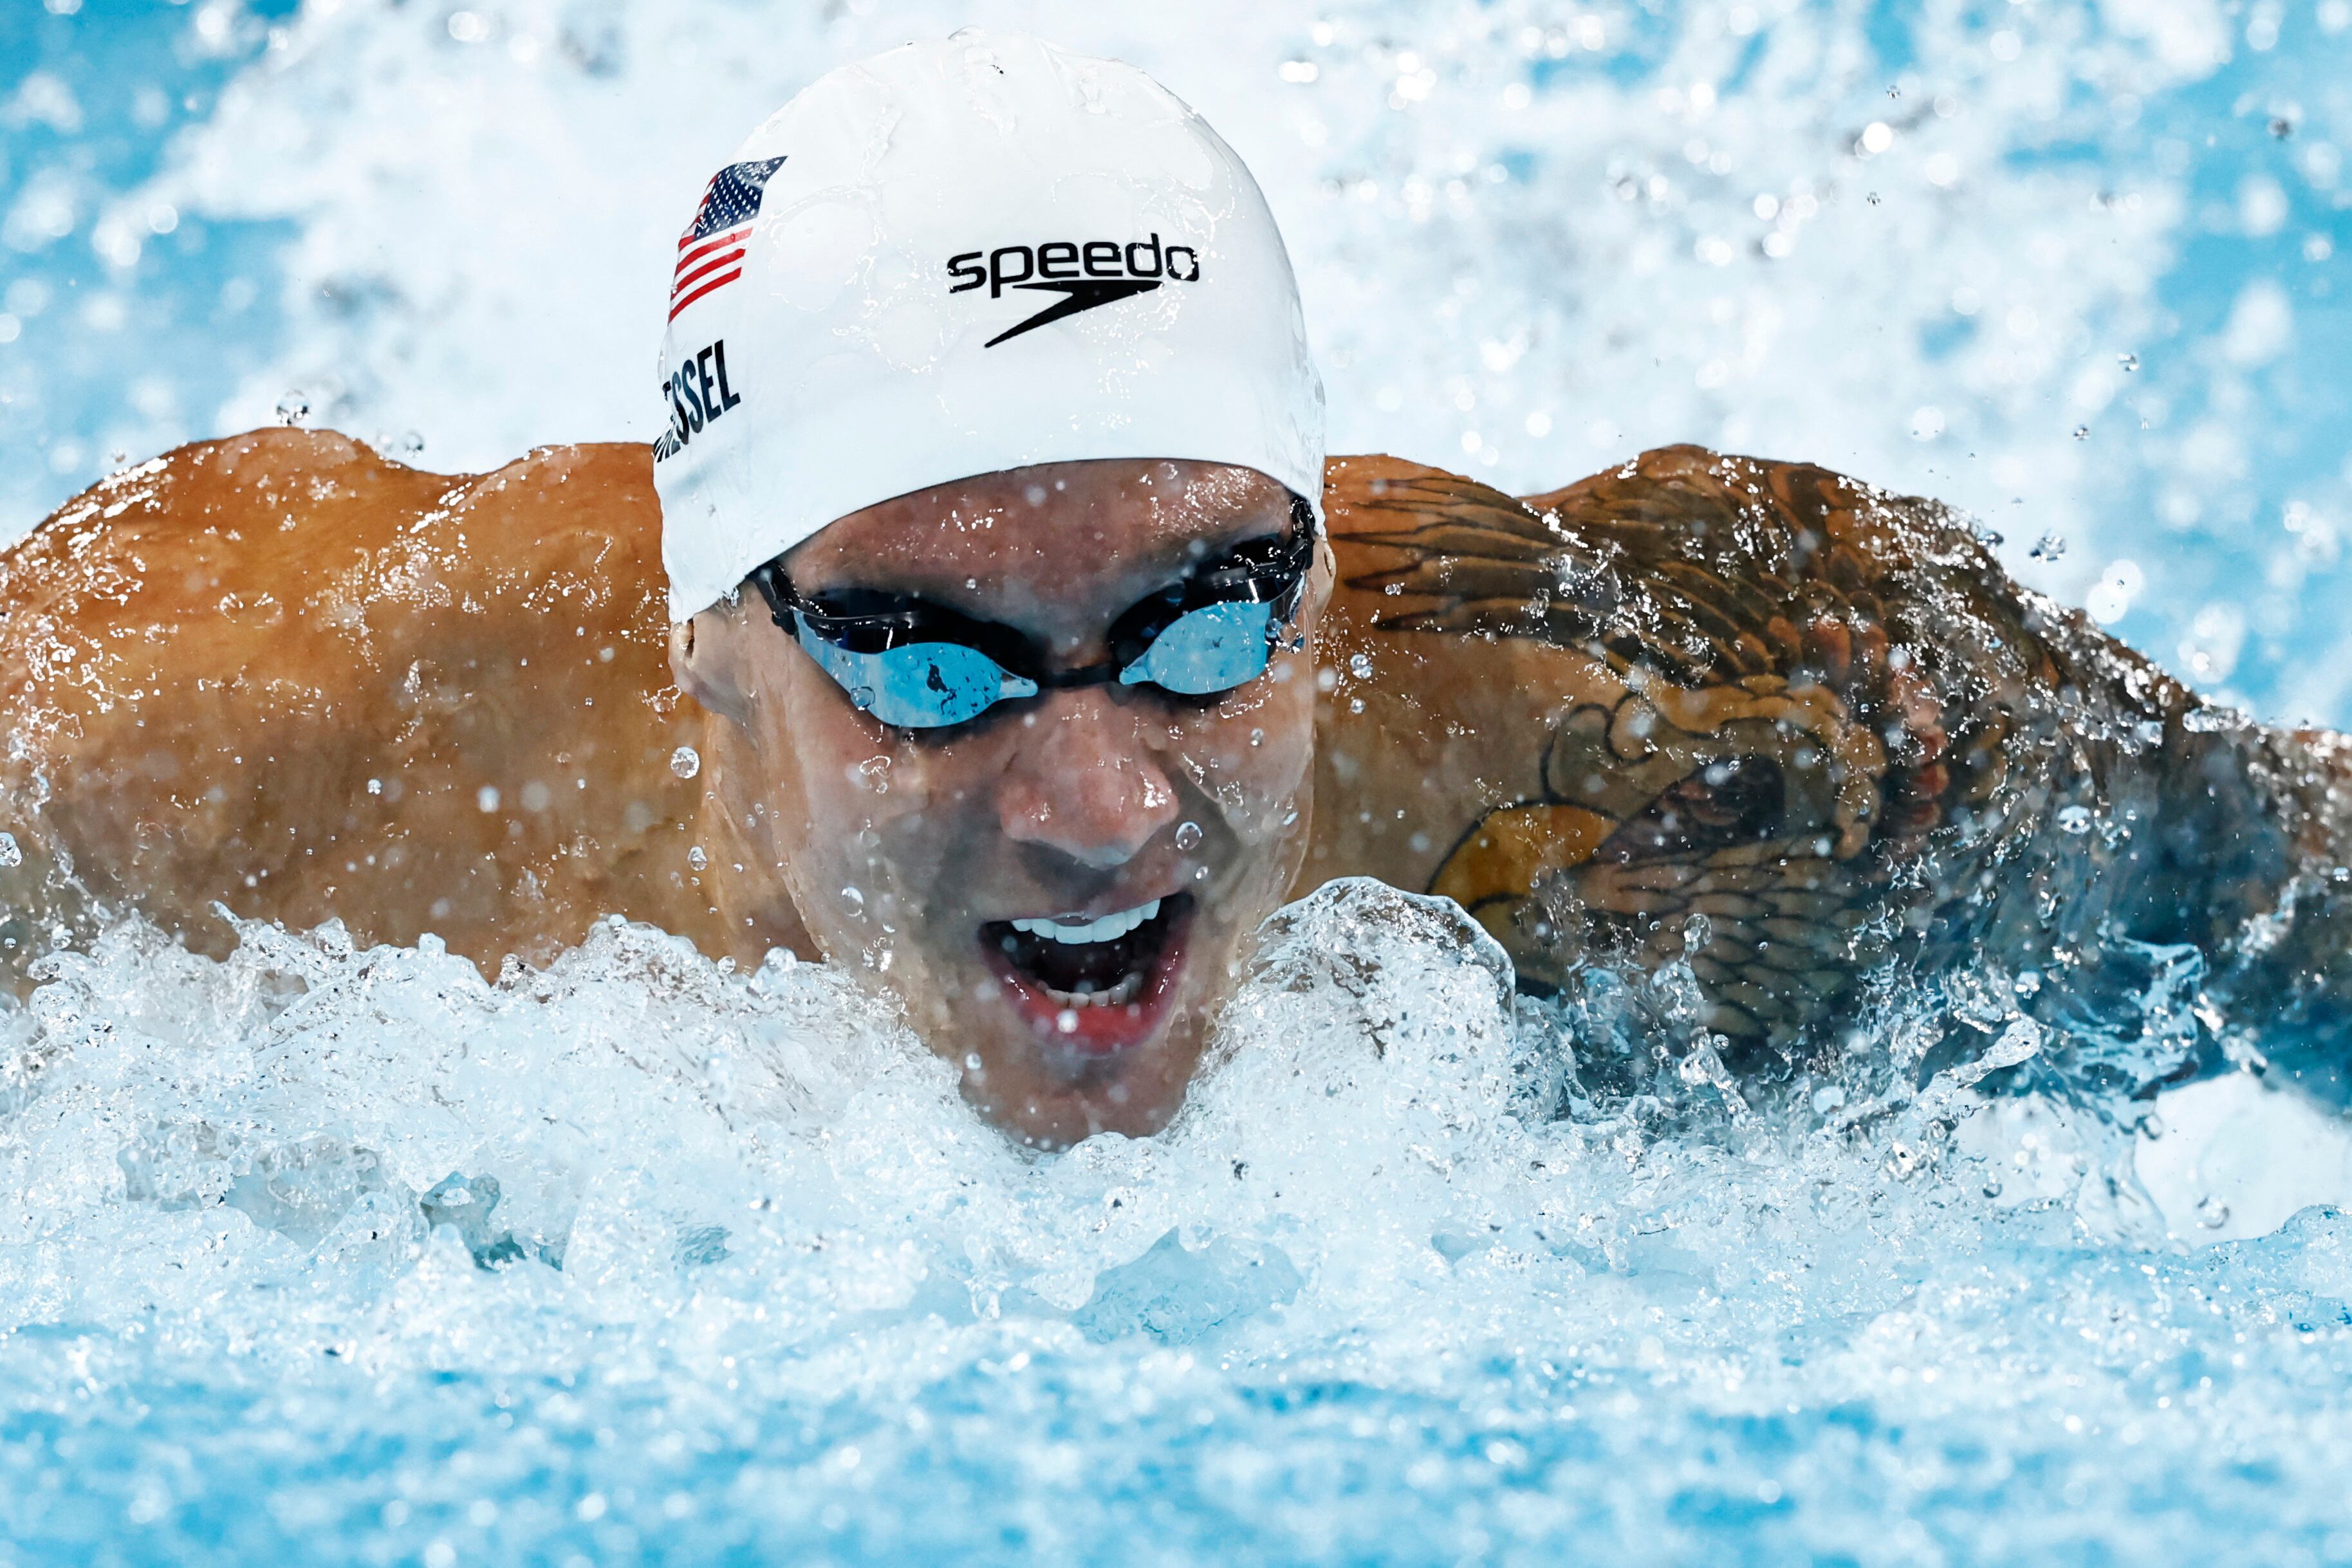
point(323, 1256)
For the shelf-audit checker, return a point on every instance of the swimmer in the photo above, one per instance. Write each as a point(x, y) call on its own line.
point(989, 621)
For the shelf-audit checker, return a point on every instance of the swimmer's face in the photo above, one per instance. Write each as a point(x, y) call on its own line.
point(1064, 889)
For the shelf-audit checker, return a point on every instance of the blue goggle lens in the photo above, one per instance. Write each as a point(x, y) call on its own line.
point(919, 685)
point(932, 686)
point(1210, 649)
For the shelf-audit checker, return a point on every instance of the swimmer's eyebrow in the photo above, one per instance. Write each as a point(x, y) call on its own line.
point(1202, 555)
point(882, 602)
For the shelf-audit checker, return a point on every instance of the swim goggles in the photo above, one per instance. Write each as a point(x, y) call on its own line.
point(914, 665)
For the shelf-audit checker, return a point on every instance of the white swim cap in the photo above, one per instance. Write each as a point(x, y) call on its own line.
point(960, 257)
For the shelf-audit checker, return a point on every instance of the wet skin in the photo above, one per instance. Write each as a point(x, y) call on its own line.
point(281, 673)
point(900, 851)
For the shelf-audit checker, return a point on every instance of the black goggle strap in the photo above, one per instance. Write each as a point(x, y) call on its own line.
point(1259, 572)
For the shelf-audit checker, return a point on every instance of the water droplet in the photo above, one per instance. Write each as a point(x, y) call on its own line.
point(2212, 1214)
point(861, 697)
point(2082, 432)
point(2048, 546)
point(2128, 361)
point(854, 897)
point(2074, 819)
point(1257, 737)
point(375, 786)
point(1992, 1189)
point(1188, 835)
point(11, 854)
point(487, 797)
point(685, 762)
point(2151, 1126)
point(1360, 666)
point(408, 444)
point(972, 1061)
point(293, 409)
point(1827, 1099)
point(115, 457)
point(1066, 1020)
point(696, 858)
point(1698, 932)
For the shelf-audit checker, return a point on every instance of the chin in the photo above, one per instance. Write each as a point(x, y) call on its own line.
point(1071, 1045)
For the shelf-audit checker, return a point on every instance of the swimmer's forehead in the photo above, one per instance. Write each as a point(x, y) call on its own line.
point(1053, 532)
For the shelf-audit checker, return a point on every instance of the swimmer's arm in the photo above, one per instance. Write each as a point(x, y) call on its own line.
point(1469, 629)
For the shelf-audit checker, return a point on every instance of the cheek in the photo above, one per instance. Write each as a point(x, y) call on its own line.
point(873, 807)
point(1253, 756)
point(849, 774)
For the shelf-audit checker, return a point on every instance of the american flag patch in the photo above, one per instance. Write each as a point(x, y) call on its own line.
point(711, 252)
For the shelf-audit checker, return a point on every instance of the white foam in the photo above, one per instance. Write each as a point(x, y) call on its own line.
point(642, 1194)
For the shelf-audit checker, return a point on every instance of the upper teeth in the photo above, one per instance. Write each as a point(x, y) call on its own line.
point(1104, 928)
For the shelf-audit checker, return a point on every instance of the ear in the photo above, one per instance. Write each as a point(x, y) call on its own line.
point(699, 662)
point(1323, 577)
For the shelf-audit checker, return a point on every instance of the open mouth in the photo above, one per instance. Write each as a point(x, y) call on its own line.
point(1098, 984)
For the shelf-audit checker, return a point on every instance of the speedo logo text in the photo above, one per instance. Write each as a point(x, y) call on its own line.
point(1085, 273)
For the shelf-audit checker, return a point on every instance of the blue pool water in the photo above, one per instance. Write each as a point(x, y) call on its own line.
point(316, 1256)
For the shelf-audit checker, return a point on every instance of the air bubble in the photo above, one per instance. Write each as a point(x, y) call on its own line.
point(293, 409)
point(2048, 546)
point(1360, 666)
point(697, 858)
point(1188, 835)
point(2212, 1214)
point(11, 854)
point(2074, 819)
point(685, 762)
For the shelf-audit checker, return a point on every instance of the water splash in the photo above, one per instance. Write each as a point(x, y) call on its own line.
point(362, 1234)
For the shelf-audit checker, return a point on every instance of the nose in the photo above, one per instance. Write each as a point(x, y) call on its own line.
point(1083, 782)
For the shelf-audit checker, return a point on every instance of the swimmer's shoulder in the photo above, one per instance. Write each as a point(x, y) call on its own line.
point(286, 514)
point(282, 671)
